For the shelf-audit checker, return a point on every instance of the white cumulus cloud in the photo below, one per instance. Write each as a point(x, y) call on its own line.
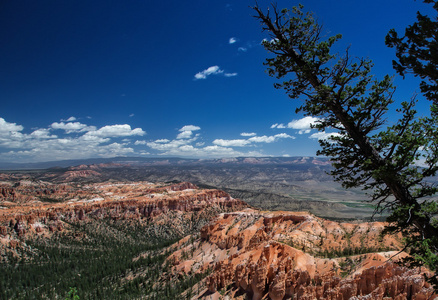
point(187, 131)
point(186, 144)
point(162, 141)
point(190, 128)
point(6, 127)
point(42, 145)
point(303, 124)
point(118, 130)
point(232, 40)
point(323, 135)
point(71, 127)
point(42, 134)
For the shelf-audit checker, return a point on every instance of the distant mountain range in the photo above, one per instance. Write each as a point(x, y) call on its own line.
point(161, 161)
point(271, 183)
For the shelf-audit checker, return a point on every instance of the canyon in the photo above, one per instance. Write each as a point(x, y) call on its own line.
point(29, 208)
point(294, 255)
point(269, 183)
point(174, 240)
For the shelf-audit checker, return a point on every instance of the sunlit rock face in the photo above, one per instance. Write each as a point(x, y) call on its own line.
point(251, 254)
point(40, 209)
point(284, 255)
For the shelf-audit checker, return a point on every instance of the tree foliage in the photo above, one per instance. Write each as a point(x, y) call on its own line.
point(72, 294)
point(417, 52)
point(365, 152)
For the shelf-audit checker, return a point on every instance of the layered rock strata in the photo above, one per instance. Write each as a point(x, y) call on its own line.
point(281, 255)
point(116, 201)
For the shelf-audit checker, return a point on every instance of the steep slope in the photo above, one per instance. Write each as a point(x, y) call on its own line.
point(139, 240)
point(27, 215)
point(109, 240)
point(293, 255)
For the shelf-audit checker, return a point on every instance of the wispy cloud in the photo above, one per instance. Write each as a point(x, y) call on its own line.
point(279, 126)
point(248, 134)
point(253, 139)
point(209, 71)
point(213, 70)
point(270, 139)
point(246, 46)
point(231, 143)
point(230, 74)
point(232, 40)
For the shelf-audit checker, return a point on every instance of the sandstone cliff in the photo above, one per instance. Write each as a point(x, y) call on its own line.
point(281, 256)
point(251, 254)
point(27, 213)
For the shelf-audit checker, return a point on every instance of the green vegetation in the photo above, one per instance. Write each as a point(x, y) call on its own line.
point(358, 204)
point(349, 251)
point(348, 265)
point(337, 252)
point(102, 259)
point(346, 99)
point(72, 294)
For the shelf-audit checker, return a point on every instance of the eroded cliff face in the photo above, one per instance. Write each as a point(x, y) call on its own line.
point(250, 253)
point(41, 209)
point(265, 255)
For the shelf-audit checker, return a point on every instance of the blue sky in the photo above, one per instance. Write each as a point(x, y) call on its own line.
point(82, 79)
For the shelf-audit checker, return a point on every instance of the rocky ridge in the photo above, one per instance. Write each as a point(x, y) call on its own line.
point(288, 255)
point(39, 210)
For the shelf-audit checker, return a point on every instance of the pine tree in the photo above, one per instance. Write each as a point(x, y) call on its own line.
point(345, 97)
point(417, 52)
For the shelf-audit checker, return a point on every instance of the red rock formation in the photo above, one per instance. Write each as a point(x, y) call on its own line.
point(115, 201)
point(71, 175)
point(251, 252)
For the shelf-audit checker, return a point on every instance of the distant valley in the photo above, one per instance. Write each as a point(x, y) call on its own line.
point(286, 183)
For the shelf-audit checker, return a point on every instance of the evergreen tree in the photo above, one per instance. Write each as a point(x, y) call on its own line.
point(417, 52)
point(344, 96)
